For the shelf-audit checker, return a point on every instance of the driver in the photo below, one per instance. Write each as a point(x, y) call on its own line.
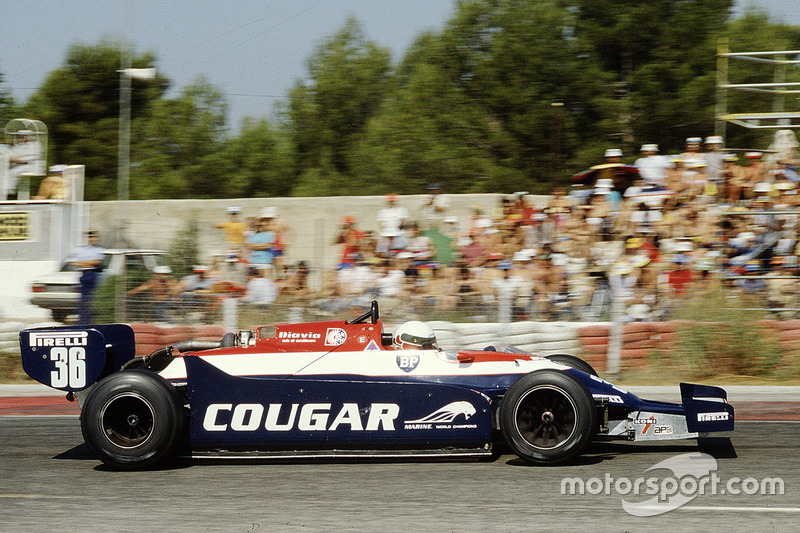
point(414, 335)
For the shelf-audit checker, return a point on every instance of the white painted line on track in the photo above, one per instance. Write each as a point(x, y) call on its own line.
point(736, 509)
point(38, 497)
point(40, 416)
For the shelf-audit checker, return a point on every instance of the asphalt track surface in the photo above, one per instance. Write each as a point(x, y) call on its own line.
point(49, 480)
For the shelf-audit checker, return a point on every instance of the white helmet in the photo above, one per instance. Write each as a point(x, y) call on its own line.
point(414, 335)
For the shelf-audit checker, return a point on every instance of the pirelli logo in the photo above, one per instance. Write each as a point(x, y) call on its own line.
point(15, 226)
point(58, 338)
point(712, 417)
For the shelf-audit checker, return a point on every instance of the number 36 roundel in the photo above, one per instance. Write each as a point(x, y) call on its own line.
point(64, 359)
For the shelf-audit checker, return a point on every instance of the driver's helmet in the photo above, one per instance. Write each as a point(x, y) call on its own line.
point(414, 335)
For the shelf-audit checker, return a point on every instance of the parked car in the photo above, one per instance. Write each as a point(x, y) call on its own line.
point(60, 292)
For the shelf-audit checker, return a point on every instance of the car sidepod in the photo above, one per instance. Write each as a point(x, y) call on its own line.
point(299, 417)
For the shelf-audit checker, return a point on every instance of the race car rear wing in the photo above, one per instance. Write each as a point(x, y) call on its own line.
point(72, 358)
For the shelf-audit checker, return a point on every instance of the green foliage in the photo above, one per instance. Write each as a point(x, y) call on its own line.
point(716, 340)
point(104, 301)
point(184, 252)
point(8, 108)
point(256, 161)
point(177, 148)
point(349, 78)
point(661, 55)
point(508, 95)
point(79, 103)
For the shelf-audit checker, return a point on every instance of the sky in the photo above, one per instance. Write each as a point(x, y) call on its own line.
point(252, 50)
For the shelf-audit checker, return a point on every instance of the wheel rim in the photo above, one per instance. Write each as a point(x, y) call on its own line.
point(546, 417)
point(127, 420)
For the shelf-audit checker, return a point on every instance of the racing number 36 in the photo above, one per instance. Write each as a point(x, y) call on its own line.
point(70, 369)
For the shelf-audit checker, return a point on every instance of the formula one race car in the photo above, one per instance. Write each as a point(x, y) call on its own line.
point(343, 389)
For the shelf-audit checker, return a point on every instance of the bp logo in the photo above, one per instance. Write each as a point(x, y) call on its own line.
point(407, 363)
point(335, 337)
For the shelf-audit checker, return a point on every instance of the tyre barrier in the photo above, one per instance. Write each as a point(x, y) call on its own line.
point(642, 342)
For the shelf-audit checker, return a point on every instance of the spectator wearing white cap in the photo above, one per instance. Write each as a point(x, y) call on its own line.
point(714, 158)
point(613, 155)
point(160, 291)
point(692, 150)
point(391, 220)
point(652, 167)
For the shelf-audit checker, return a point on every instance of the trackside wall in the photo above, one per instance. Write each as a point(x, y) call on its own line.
point(313, 222)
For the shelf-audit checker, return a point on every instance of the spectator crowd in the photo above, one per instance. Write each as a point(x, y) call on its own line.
point(651, 233)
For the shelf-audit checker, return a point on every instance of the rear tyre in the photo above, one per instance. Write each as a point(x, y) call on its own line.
point(548, 417)
point(573, 362)
point(134, 419)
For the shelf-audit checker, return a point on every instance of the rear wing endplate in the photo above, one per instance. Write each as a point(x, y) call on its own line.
point(72, 358)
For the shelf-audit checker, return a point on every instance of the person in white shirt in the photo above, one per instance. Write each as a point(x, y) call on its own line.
point(24, 157)
point(261, 291)
point(391, 219)
point(652, 167)
point(88, 259)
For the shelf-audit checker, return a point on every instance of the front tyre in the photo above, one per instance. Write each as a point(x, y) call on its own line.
point(573, 362)
point(134, 419)
point(548, 417)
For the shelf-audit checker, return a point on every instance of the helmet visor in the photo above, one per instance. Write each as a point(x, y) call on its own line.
point(427, 343)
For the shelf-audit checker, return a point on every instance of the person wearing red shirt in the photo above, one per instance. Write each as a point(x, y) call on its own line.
point(350, 239)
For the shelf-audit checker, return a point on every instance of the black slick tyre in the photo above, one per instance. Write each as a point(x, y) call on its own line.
point(573, 362)
point(134, 419)
point(548, 417)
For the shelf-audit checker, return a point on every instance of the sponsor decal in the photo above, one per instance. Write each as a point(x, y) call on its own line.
point(58, 338)
point(335, 337)
point(303, 417)
point(662, 430)
point(611, 398)
point(407, 363)
point(648, 422)
point(371, 346)
point(445, 417)
point(362, 339)
point(712, 417)
point(295, 337)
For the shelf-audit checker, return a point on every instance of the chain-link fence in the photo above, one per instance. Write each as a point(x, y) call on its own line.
point(482, 295)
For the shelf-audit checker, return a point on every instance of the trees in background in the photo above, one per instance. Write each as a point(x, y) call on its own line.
point(508, 95)
point(79, 103)
point(8, 108)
